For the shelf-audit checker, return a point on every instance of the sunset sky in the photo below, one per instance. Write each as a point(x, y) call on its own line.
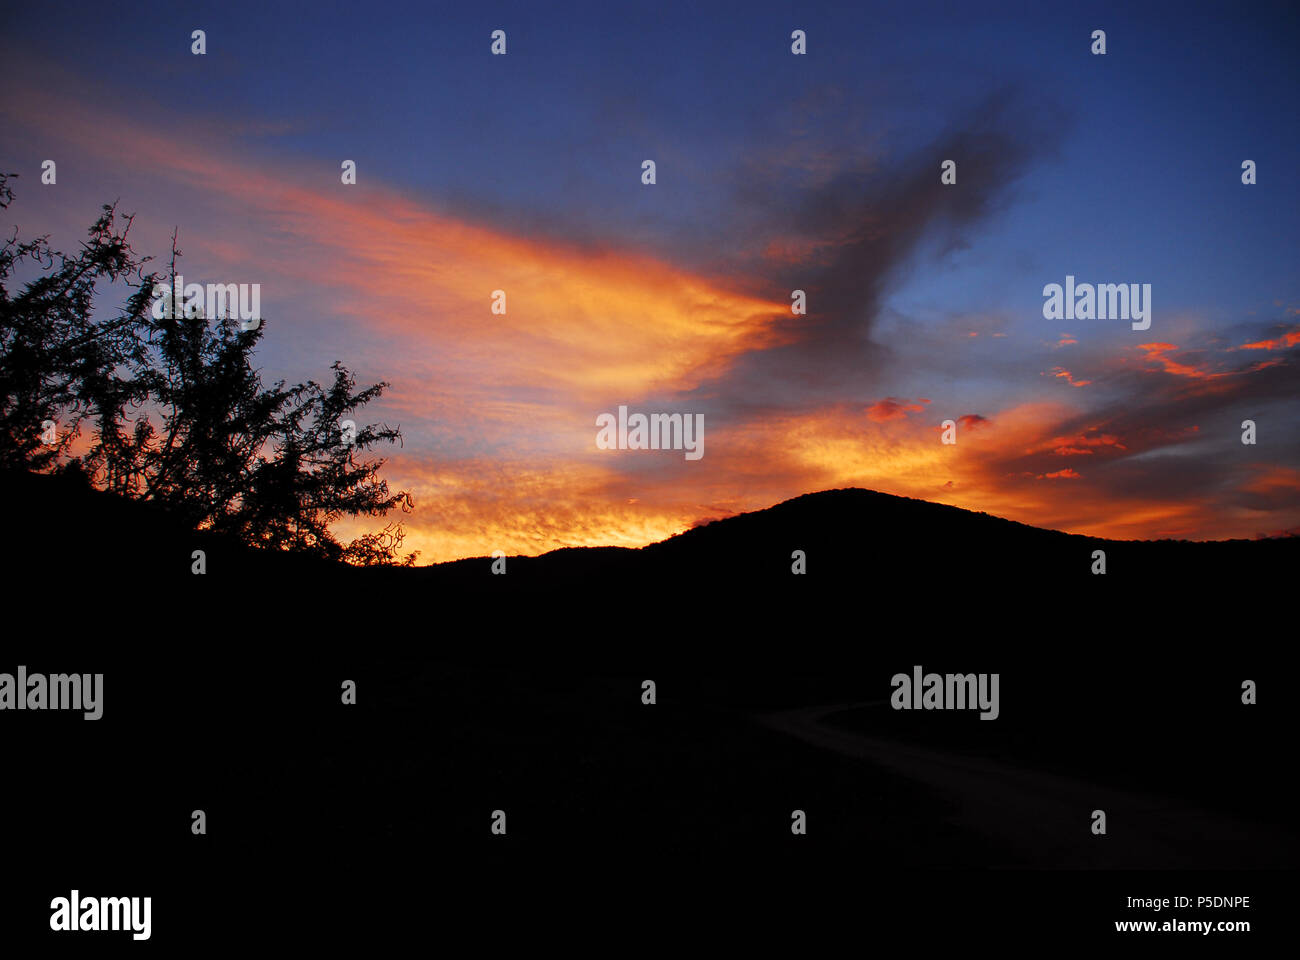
point(775, 172)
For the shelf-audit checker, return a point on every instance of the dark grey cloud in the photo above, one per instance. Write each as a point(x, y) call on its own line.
point(863, 228)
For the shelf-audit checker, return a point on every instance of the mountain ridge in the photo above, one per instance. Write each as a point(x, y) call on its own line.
point(842, 532)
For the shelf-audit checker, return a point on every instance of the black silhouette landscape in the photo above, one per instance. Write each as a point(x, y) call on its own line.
point(773, 685)
point(861, 536)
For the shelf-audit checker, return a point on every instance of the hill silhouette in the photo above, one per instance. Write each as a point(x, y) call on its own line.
point(846, 535)
point(885, 574)
point(851, 534)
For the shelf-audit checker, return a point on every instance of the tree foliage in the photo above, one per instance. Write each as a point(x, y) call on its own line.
point(173, 411)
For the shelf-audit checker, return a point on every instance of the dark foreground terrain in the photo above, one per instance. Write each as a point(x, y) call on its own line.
point(523, 693)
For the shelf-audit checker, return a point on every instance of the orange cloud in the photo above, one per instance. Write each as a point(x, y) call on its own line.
point(1079, 445)
point(1066, 375)
point(593, 324)
point(1288, 339)
point(1274, 479)
point(892, 408)
point(1159, 352)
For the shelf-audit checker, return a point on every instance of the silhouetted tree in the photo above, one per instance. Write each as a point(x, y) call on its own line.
point(176, 412)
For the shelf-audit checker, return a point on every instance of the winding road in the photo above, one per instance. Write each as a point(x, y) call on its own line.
point(1041, 819)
